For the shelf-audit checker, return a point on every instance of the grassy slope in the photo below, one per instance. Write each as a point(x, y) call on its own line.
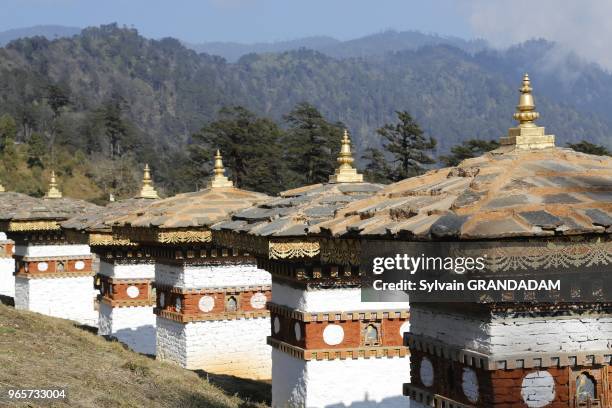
point(38, 351)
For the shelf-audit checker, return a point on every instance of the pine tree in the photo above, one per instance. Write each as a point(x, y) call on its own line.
point(590, 148)
point(250, 147)
point(377, 170)
point(8, 131)
point(407, 144)
point(468, 149)
point(115, 128)
point(312, 145)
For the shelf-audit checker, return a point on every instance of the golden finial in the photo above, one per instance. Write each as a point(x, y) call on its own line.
point(53, 192)
point(219, 180)
point(527, 135)
point(346, 173)
point(147, 190)
point(525, 110)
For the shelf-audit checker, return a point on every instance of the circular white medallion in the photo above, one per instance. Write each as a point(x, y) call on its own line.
point(206, 303)
point(404, 328)
point(258, 300)
point(133, 291)
point(276, 325)
point(178, 305)
point(426, 372)
point(470, 384)
point(162, 299)
point(298, 331)
point(79, 265)
point(43, 266)
point(333, 334)
point(538, 389)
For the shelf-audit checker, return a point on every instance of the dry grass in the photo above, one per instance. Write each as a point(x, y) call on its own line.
point(42, 352)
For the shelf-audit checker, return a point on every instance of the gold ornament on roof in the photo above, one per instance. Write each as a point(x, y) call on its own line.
point(53, 192)
point(527, 136)
point(346, 173)
point(147, 190)
point(219, 180)
point(525, 111)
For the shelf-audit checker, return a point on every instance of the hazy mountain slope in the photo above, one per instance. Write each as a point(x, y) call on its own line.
point(369, 45)
point(50, 32)
point(171, 91)
point(232, 51)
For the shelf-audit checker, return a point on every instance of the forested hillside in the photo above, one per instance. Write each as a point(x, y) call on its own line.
point(111, 100)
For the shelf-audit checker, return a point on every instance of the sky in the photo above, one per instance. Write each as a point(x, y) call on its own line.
point(580, 25)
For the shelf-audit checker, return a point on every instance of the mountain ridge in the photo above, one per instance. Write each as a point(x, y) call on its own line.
point(171, 91)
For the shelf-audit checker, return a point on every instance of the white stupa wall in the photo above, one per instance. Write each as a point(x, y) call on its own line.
point(233, 347)
point(7, 278)
point(67, 297)
point(52, 250)
point(327, 300)
point(133, 326)
point(338, 383)
point(7, 270)
point(211, 276)
point(515, 335)
point(144, 270)
point(335, 383)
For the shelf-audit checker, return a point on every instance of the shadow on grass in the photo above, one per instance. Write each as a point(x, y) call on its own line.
point(7, 300)
point(250, 390)
point(90, 329)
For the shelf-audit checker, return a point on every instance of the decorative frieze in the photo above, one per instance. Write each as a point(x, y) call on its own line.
point(230, 303)
point(29, 226)
point(125, 292)
point(163, 236)
point(33, 267)
point(312, 274)
point(331, 335)
point(338, 315)
point(473, 358)
point(340, 251)
point(338, 354)
point(269, 247)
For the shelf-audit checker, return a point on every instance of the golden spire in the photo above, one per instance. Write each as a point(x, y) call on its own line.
point(53, 192)
point(219, 180)
point(346, 173)
point(525, 110)
point(147, 190)
point(527, 136)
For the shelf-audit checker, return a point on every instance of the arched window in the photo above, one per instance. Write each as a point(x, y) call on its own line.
point(231, 304)
point(60, 267)
point(371, 335)
point(585, 388)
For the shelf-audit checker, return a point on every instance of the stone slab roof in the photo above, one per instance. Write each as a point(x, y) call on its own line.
point(295, 212)
point(504, 193)
point(96, 220)
point(191, 210)
point(10, 203)
point(20, 207)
